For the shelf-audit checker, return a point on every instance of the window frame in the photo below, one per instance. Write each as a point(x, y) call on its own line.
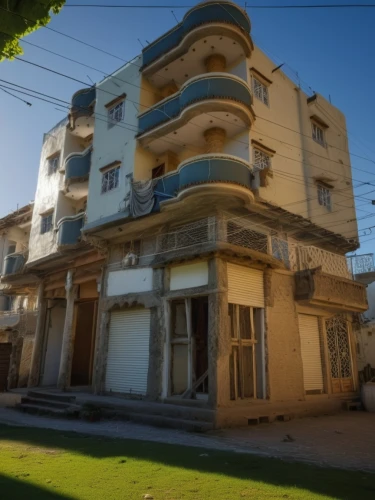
point(53, 164)
point(115, 109)
point(264, 96)
point(108, 172)
point(263, 153)
point(324, 196)
point(46, 227)
point(317, 127)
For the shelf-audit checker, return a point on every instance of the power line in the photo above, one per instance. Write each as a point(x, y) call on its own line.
point(318, 6)
point(16, 97)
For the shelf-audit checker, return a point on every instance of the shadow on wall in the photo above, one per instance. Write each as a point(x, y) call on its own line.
point(331, 483)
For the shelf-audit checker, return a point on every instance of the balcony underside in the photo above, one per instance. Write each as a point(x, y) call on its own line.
point(188, 59)
point(205, 15)
point(314, 288)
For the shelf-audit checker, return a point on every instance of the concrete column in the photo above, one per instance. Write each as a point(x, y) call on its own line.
point(36, 357)
point(219, 343)
point(15, 359)
point(101, 351)
point(215, 138)
point(215, 63)
point(68, 335)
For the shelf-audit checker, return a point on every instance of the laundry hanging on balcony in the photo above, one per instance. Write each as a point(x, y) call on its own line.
point(142, 197)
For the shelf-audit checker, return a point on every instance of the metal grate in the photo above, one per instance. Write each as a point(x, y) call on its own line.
point(245, 237)
point(338, 346)
point(188, 235)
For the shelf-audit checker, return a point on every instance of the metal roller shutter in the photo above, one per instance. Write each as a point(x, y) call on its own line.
point(128, 351)
point(311, 352)
point(245, 286)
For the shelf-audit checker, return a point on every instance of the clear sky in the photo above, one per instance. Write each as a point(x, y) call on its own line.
point(333, 51)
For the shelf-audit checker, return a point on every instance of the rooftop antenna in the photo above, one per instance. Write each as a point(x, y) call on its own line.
point(277, 67)
point(174, 15)
point(141, 43)
point(90, 79)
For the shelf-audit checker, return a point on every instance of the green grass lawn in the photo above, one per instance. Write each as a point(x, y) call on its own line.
point(42, 464)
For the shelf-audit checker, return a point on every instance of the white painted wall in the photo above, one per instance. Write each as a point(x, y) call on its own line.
point(54, 331)
point(365, 338)
point(116, 143)
point(188, 276)
point(129, 281)
point(370, 313)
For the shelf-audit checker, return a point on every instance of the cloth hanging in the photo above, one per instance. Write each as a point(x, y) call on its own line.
point(142, 197)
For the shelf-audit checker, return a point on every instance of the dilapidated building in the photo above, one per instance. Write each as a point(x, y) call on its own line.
point(191, 249)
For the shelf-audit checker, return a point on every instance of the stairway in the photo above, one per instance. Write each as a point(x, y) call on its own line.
point(50, 404)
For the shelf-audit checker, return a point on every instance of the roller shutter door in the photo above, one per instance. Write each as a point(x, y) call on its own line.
point(311, 352)
point(128, 351)
point(245, 286)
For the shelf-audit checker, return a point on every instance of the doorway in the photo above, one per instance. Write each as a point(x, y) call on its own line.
point(84, 343)
point(5, 353)
point(54, 329)
point(188, 369)
point(339, 354)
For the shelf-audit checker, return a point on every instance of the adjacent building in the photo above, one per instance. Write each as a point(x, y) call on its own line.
point(189, 233)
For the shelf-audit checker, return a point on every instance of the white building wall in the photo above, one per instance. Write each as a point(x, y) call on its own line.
point(129, 281)
point(116, 143)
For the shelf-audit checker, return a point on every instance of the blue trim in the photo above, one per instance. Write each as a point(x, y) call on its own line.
point(13, 263)
point(84, 98)
point(204, 14)
point(202, 171)
point(223, 87)
point(78, 166)
point(69, 232)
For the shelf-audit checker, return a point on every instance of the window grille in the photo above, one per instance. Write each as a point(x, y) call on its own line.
point(261, 160)
point(46, 223)
point(110, 180)
point(117, 112)
point(318, 134)
point(324, 196)
point(53, 164)
point(260, 91)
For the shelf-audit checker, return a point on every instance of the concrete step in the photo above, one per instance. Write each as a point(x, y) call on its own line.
point(50, 403)
point(352, 406)
point(157, 409)
point(161, 421)
point(48, 411)
point(52, 395)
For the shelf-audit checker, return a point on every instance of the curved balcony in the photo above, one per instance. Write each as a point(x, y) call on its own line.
point(69, 230)
point(220, 18)
point(81, 119)
point(212, 170)
point(213, 92)
point(14, 263)
point(77, 171)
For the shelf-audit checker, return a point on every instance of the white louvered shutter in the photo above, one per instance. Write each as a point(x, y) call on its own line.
point(245, 286)
point(311, 352)
point(128, 351)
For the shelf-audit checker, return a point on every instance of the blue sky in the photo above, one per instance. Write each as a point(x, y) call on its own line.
point(333, 51)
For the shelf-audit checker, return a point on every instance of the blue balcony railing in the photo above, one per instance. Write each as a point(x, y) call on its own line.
point(207, 13)
point(204, 169)
point(69, 230)
point(13, 263)
point(83, 99)
point(77, 165)
point(225, 86)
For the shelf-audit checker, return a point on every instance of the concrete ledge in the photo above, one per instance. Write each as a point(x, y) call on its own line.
point(9, 399)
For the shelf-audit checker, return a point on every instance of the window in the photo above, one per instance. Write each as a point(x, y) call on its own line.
point(53, 164)
point(46, 223)
point(11, 247)
point(110, 180)
point(324, 196)
point(244, 324)
point(260, 91)
point(116, 112)
point(318, 134)
point(261, 160)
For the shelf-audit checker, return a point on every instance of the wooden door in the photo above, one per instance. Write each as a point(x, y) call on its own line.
point(5, 352)
point(84, 343)
point(339, 354)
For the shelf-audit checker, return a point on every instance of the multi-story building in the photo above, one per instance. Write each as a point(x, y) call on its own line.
point(17, 300)
point(190, 227)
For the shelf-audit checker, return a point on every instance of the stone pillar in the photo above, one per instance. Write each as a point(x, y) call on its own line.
point(68, 335)
point(215, 63)
point(215, 138)
point(36, 357)
point(15, 359)
point(219, 343)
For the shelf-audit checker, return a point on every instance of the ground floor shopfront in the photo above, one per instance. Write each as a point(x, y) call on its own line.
point(229, 334)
